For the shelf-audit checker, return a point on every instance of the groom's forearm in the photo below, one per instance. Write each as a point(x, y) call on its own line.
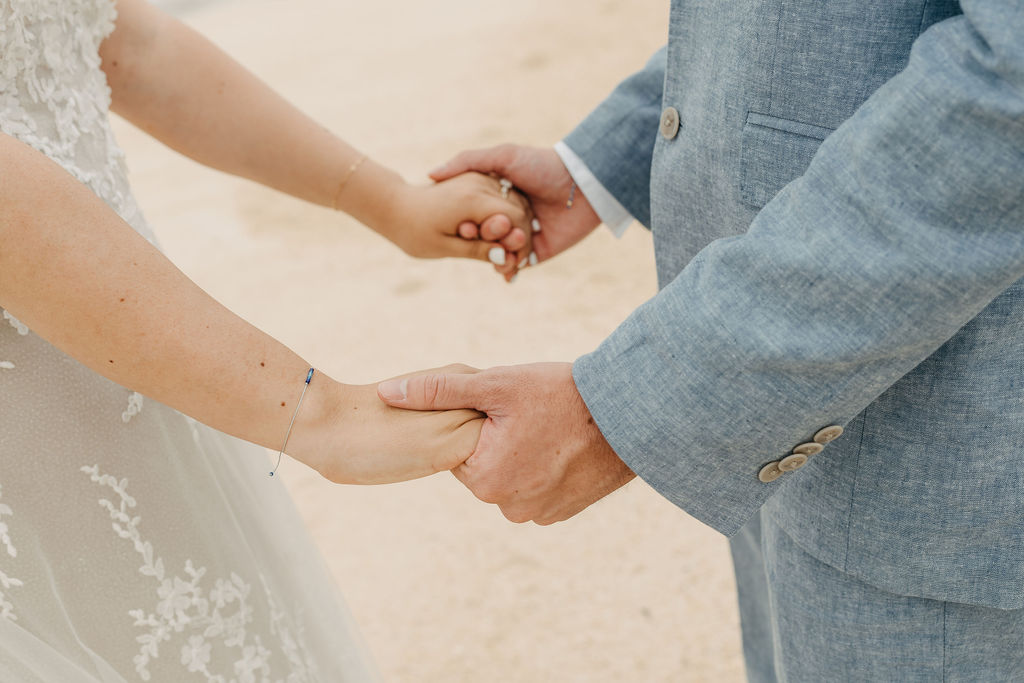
point(180, 88)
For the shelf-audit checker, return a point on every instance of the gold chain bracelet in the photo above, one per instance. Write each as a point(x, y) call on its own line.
point(348, 176)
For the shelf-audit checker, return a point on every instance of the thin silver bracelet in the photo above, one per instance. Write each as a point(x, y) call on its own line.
point(309, 378)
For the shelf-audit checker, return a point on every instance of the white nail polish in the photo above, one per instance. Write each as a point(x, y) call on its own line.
point(513, 278)
point(496, 256)
point(533, 259)
point(536, 225)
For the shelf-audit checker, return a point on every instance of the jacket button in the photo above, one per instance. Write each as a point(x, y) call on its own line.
point(828, 434)
point(808, 449)
point(769, 472)
point(793, 462)
point(670, 123)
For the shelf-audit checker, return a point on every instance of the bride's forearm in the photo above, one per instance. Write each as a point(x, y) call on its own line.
point(177, 86)
point(82, 279)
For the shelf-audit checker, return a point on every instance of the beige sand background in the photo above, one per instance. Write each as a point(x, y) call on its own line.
point(444, 588)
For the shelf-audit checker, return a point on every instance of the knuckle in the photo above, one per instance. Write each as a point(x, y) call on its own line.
point(472, 185)
point(431, 388)
point(504, 155)
point(516, 516)
point(460, 368)
point(437, 388)
point(488, 492)
point(492, 382)
point(553, 517)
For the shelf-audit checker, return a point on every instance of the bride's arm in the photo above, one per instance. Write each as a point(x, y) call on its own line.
point(177, 86)
point(81, 278)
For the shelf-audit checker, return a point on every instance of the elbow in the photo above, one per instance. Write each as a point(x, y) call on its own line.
point(124, 55)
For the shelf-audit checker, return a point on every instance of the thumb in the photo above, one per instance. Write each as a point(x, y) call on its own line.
point(493, 160)
point(435, 391)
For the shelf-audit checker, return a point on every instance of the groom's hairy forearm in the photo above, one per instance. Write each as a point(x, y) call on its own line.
point(173, 83)
point(84, 280)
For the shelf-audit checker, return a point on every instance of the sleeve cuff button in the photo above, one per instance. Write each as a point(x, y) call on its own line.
point(770, 472)
point(793, 462)
point(828, 434)
point(808, 449)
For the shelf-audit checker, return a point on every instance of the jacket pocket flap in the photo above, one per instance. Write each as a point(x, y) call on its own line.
point(774, 152)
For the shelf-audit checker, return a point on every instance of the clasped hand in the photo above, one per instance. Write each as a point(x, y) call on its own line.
point(425, 221)
point(540, 456)
point(519, 437)
point(465, 215)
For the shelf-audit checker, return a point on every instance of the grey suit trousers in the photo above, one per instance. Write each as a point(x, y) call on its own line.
point(804, 620)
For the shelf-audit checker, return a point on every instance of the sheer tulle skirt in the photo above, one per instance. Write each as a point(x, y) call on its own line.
point(147, 546)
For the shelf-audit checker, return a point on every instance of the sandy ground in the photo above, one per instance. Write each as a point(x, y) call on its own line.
point(444, 588)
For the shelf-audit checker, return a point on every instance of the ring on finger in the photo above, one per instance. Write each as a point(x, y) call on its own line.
point(506, 185)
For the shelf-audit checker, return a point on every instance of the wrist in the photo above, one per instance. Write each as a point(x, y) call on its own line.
point(319, 418)
point(373, 195)
point(608, 465)
point(580, 203)
point(578, 181)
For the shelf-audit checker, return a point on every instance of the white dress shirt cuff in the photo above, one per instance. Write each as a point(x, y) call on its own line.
point(609, 210)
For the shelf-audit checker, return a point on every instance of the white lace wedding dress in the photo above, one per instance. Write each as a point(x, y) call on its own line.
point(135, 544)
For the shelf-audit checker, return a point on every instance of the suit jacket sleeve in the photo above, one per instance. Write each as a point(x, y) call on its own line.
point(907, 223)
point(616, 141)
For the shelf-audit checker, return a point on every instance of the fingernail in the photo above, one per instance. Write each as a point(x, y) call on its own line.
point(533, 258)
point(536, 225)
point(513, 278)
point(523, 264)
point(496, 256)
point(394, 389)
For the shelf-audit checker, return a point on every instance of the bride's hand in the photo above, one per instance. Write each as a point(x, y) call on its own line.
point(350, 436)
point(427, 219)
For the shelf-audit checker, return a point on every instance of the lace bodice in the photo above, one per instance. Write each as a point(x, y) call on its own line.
point(54, 97)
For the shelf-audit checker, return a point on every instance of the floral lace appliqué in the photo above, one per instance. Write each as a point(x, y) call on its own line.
point(7, 582)
point(206, 620)
point(21, 327)
point(54, 96)
point(134, 407)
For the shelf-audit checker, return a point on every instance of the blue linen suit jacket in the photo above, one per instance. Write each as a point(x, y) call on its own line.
point(839, 236)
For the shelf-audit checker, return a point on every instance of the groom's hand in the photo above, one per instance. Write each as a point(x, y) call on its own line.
point(540, 456)
point(540, 175)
